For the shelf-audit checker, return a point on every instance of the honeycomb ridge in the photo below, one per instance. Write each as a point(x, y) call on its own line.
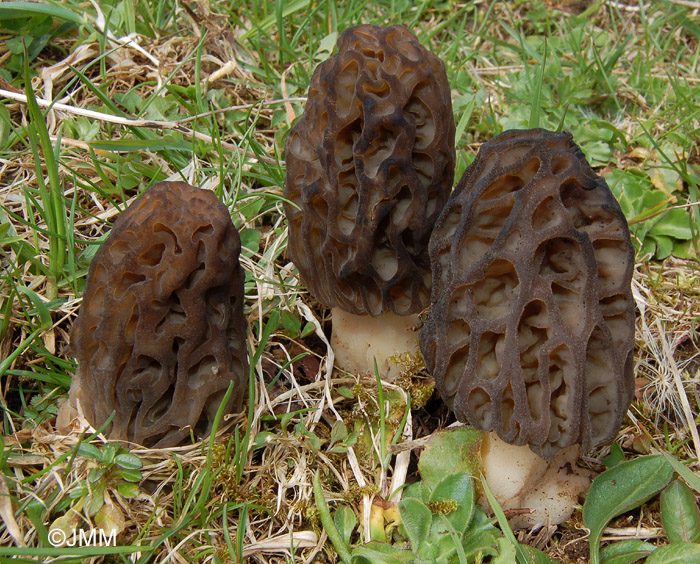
point(161, 332)
point(370, 165)
point(531, 327)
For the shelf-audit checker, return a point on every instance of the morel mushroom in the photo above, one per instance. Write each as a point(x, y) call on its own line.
point(161, 332)
point(530, 330)
point(370, 165)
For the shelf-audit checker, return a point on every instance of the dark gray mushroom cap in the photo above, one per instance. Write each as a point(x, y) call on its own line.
point(369, 166)
point(161, 332)
point(530, 331)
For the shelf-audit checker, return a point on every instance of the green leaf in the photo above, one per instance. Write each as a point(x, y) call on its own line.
point(307, 330)
point(448, 452)
point(17, 10)
point(39, 305)
point(324, 515)
point(86, 449)
point(506, 552)
point(466, 114)
point(416, 518)
point(615, 457)
point(128, 461)
point(78, 492)
point(676, 553)
point(626, 552)
point(692, 479)
point(535, 556)
point(128, 490)
point(418, 490)
point(481, 535)
point(5, 126)
point(455, 541)
point(109, 451)
point(664, 245)
point(95, 499)
point(138, 145)
point(290, 323)
point(684, 250)
point(535, 106)
point(250, 239)
point(345, 521)
point(674, 223)
point(95, 475)
point(250, 206)
point(620, 489)
point(521, 556)
point(325, 47)
point(339, 431)
point(35, 512)
point(262, 438)
point(380, 553)
point(15, 45)
point(129, 475)
point(345, 392)
point(679, 513)
point(460, 488)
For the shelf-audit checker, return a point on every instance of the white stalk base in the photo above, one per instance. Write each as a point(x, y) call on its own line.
point(358, 339)
point(521, 479)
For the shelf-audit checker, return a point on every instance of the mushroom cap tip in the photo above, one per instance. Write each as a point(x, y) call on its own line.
point(369, 166)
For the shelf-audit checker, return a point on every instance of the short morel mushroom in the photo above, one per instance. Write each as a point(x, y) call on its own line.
point(161, 332)
point(530, 330)
point(370, 165)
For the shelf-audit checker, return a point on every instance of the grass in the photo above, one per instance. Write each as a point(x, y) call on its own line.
point(206, 93)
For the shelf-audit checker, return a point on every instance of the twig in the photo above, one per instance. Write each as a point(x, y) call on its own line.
point(662, 211)
point(686, 3)
point(129, 122)
point(242, 107)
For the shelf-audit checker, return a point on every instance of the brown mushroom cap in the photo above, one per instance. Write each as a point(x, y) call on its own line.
point(161, 331)
point(531, 328)
point(369, 167)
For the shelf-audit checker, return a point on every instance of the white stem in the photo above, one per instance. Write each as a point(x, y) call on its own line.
point(358, 339)
point(521, 479)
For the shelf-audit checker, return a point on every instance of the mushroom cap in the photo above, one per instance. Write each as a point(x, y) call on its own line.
point(370, 165)
point(530, 331)
point(161, 331)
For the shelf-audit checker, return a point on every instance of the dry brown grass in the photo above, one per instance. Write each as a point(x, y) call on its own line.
point(275, 490)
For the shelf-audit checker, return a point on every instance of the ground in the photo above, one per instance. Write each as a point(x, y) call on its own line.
point(206, 93)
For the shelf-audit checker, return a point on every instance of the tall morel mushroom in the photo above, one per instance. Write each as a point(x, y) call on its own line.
point(161, 332)
point(370, 165)
point(530, 331)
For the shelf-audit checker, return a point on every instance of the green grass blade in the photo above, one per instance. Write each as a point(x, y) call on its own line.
point(324, 515)
point(19, 10)
point(536, 107)
point(503, 522)
point(52, 197)
point(138, 145)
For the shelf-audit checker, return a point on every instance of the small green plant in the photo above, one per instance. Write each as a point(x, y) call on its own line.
point(31, 27)
point(441, 526)
point(659, 224)
point(438, 522)
point(114, 468)
point(628, 485)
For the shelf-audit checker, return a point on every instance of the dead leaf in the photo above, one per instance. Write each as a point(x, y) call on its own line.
point(8, 515)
